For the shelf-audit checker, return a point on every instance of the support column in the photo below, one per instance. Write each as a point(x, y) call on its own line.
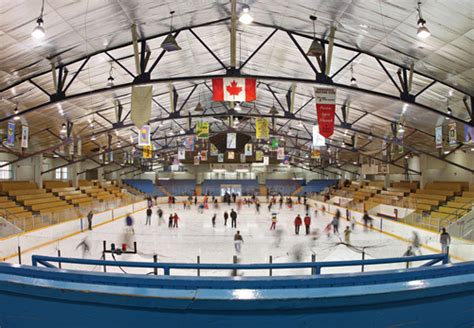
point(37, 167)
point(100, 175)
point(386, 181)
point(73, 174)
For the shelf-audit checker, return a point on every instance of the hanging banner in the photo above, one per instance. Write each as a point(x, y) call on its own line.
point(202, 130)
point(147, 151)
point(280, 153)
point(24, 136)
point(326, 110)
point(231, 140)
point(234, 89)
point(243, 158)
point(71, 148)
point(79, 147)
point(203, 155)
point(452, 133)
point(141, 105)
point(181, 153)
point(144, 137)
point(315, 154)
point(196, 160)
point(286, 160)
point(111, 156)
point(266, 160)
point(262, 130)
point(318, 139)
point(274, 143)
point(214, 150)
point(248, 150)
point(11, 134)
point(468, 133)
point(220, 158)
point(259, 155)
point(189, 143)
point(384, 147)
point(439, 137)
point(230, 155)
point(400, 143)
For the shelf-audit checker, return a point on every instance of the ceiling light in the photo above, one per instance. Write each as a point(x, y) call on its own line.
point(315, 49)
point(93, 137)
point(91, 124)
point(199, 107)
point(353, 81)
point(237, 107)
point(343, 145)
point(282, 138)
point(472, 149)
point(38, 32)
point(16, 117)
point(63, 128)
point(169, 43)
point(401, 129)
point(355, 163)
point(446, 152)
point(273, 110)
point(181, 131)
point(110, 81)
point(449, 111)
point(423, 31)
point(245, 17)
point(300, 124)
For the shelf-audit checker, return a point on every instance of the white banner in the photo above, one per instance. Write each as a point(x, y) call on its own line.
point(79, 147)
point(24, 136)
point(280, 153)
point(181, 153)
point(318, 139)
point(231, 140)
point(266, 160)
point(248, 150)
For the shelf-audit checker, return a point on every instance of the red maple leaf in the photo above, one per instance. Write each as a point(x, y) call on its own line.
point(233, 89)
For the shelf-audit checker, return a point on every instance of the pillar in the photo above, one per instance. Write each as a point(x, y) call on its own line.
point(100, 174)
point(74, 169)
point(386, 181)
point(37, 167)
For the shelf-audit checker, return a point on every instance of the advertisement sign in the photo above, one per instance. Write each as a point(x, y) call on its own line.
point(220, 158)
point(326, 110)
point(231, 140)
point(202, 130)
point(196, 160)
point(144, 137)
point(280, 153)
point(181, 153)
point(214, 150)
point(147, 151)
point(452, 133)
point(203, 155)
point(262, 130)
point(318, 139)
point(230, 155)
point(189, 143)
point(439, 137)
point(259, 155)
point(248, 150)
point(266, 160)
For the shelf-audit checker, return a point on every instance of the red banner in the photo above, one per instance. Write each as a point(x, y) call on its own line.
point(326, 110)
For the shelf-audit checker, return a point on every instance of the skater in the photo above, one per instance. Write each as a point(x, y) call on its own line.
point(409, 252)
point(233, 217)
point(149, 202)
point(416, 243)
point(323, 210)
point(281, 201)
point(307, 223)
point(129, 224)
point(298, 222)
point(445, 240)
point(148, 216)
point(89, 219)
point(327, 230)
point(160, 216)
point(226, 216)
point(175, 220)
point(238, 240)
point(335, 223)
point(353, 223)
point(195, 200)
point(84, 244)
point(306, 207)
point(348, 214)
point(347, 235)
point(274, 221)
point(213, 220)
point(299, 199)
point(367, 220)
point(305, 199)
point(270, 204)
point(170, 221)
point(257, 206)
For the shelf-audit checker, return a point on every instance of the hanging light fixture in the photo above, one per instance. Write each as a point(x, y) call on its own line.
point(237, 107)
point(38, 31)
point(110, 80)
point(16, 117)
point(401, 129)
point(273, 110)
point(245, 17)
point(169, 43)
point(423, 31)
point(315, 50)
point(353, 79)
point(63, 128)
point(93, 137)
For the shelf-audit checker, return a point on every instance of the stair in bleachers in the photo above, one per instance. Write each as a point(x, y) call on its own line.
point(178, 187)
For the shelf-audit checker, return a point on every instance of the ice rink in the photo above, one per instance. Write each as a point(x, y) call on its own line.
point(197, 237)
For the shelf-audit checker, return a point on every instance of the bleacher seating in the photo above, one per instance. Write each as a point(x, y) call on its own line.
point(145, 186)
point(179, 187)
point(213, 187)
point(284, 187)
point(315, 186)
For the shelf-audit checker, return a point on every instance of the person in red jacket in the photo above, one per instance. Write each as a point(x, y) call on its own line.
point(175, 220)
point(307, 223)
point(298, 223)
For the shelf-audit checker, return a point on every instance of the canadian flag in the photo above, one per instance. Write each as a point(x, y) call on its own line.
point(234, 89)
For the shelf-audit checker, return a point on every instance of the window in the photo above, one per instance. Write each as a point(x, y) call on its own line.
point(61, 173)
point(5, 171)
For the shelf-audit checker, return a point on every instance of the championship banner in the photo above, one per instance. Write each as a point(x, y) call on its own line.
point(203, 155)
point(234, 89)
point(248, 150)
point(266, 160)
point(452, 133)
point(318, 139)
point(259, 155)
point(202, 130)
point(315, 154)
point(79, 147)
point(280, 153)
point(274, 143)
point(468, 133)
point(243, 158)
point(11, 134)
point(220, 158)
point(144, 137)
point(141, 105)
point(439, 137)
point(196, 160)
point(147, 151)
point(231, 140)
point(326, 110)
point(181, 153)
point(24, 136)
point(230, 155)
point(189, 143)
point(262, 130)
point(214, 150)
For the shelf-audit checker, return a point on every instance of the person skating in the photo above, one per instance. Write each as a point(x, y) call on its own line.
point(233, 217)
point(89, 219)
point(226, 216)
point(148, 216)
point(353, 223)
point(213, 220)
point(445, 240)
point(129, 223)
point(160, 215)
point(85, 246)
point(175, 220)
point(348, 214)
point(238, 240)
point(409, 252)
point(257, 206)
point(347, 235)
point(335, 224)
point(416, 243)
point(274, 221)
point(307, 223)
point(170, 221)
point(281, 201)
point(195, 200)
point(298, 223)
point(367, 220)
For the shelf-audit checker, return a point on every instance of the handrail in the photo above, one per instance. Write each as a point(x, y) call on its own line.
point(316, 266)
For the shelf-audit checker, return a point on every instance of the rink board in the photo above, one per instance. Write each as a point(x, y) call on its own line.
point(438, 296)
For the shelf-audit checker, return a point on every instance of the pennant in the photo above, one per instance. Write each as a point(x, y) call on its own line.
point(203, 155)
point(280, 153)
point(234, 89)
point(11, 134)
point(214, 150)
point(79, 147)
point(266, 160)
point(141, 105)
point(468, 133)
point(230, 155)
point(220, 158)
point(147, 151)
point(315, 153)
point(196, 160)
point(261, 129)
point(202, 130)
point(189, 143)
point(144, 137)
point(259, 155)
point(24, 136)
point(439, 137)
point(274, 143)
point(181, 153)
point(326, 110)
point(231, 140)
point(248, 150)
point(243, 159)
point(452, 133)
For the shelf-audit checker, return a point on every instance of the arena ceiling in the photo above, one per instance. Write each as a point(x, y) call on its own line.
point(373, 40)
